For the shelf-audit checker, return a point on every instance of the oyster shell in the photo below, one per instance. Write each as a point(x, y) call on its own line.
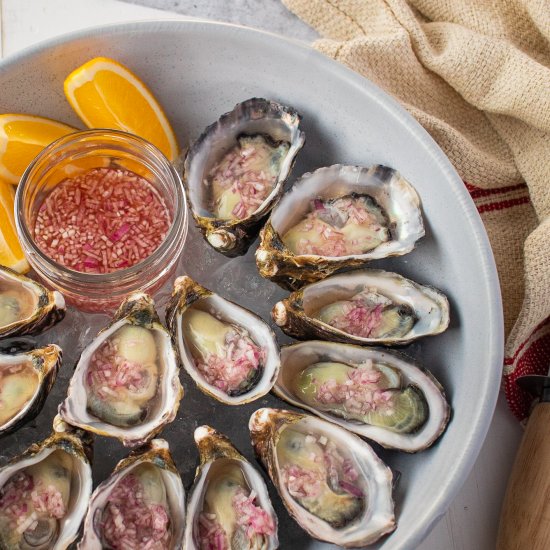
point(25, 381)
point(365, 306)
point(331, 482)
point(26, 307)
point(45, 491)
point(338, 217)
point(377, 394)
point(140, 505)
point(213, 334)
point(126, 382)
point(229, 499)
point(236, 170)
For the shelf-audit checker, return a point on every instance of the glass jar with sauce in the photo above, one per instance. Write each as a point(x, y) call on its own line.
point(101, 214)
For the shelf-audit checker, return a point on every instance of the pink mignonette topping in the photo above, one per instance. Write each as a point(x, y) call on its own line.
point(19, 492)
point(129, 522)
point(360, 393)
point(229, 371)
point(101, 221)
point(252, 518)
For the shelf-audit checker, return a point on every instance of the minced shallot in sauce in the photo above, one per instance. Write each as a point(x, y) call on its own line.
point(230, 371)
point(130, 523)
point(101, 221)
point(19, 492)
point(359, 394)
point(253, 519)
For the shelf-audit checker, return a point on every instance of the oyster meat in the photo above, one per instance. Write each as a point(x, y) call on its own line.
point(141, 505)
point(366, 306)
point(26, 307)
point(236, 170)
point(229, 505)
point(376, 394)
point(338, 217)
point(126, 383)
point(331, 482)
point(25, 381)
point(44, 492)
point(230, 352)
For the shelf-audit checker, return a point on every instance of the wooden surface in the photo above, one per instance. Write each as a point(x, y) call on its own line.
point(472, 520)
point(525, 519)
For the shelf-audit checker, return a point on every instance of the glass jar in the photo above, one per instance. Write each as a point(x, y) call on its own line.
point(79, 153)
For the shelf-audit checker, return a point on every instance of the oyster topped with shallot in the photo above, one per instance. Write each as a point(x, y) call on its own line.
point(229, 505)
point(338, 217)
point(365, 306)
point(236, 170)
point(331, 482)
point(376, 394)
point(25, 381)
point(126, 383)
point(26, 307)
point(141, 505)
point(44, 492)
point(230, 352)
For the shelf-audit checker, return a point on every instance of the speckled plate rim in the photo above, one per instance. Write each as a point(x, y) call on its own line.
point(494, 351)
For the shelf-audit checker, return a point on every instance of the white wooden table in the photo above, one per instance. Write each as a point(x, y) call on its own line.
point(472, 520)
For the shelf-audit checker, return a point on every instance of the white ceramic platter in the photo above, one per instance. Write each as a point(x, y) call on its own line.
point(199, 70)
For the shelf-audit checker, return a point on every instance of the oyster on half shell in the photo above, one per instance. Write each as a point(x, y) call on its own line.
point(45, 491)
point(26, 307)
point(365, 306)
point(25, 381)
point(229, 505)
point(230, 352)
point(377, 394)
point(338, 217)
point(126, 382)
point(236, 170)
point(331, 482)
point(141, 504)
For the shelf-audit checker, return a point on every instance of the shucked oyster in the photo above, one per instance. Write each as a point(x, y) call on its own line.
point(26, 307)
point(330, 481)
point(235, 171)
point(44, 492)
point(126, 382)
point(337, 217)
point(229, 505)
point(230, 352)
point(377, 394)
point(25, 381)
point(367, 306)
point(141, 505)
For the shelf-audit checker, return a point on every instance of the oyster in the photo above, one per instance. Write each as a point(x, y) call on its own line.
point(229, 505)
point(141, 505)
point(366, 306)
point(230, 352)
point(376, 394)
point(331, 482)
point(236, 170)
point(25, 381)
point(45, 491)
point(126, 382)
point(26, 307)
point(338, 217)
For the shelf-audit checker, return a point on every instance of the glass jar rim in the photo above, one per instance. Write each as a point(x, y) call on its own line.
point(119, 276)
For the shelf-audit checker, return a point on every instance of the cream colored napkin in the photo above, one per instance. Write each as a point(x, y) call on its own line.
point(476, 75)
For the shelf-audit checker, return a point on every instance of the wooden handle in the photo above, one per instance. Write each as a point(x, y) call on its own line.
point(525, 516)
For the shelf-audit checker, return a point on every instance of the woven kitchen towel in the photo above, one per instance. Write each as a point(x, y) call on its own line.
point(476, 75)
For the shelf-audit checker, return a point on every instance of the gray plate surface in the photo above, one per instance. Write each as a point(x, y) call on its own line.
point(199, 70)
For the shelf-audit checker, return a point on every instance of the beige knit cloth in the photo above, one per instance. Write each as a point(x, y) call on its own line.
point(476, 75)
